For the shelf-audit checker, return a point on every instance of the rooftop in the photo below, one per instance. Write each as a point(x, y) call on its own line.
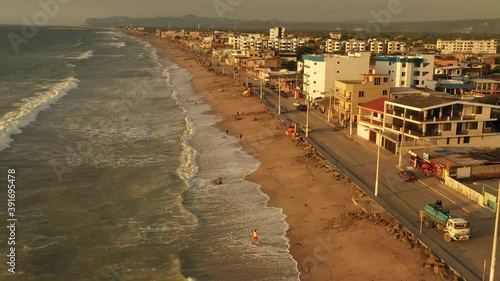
point(421, 101)
point(375, 105)
point(404, 90)
point(460, 156)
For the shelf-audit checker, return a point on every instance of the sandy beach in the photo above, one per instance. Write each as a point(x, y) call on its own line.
point(328, 239)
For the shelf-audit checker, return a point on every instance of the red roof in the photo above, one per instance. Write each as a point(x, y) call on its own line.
point(376, 105)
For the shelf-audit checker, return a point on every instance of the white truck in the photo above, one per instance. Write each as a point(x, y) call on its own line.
point(434, 215)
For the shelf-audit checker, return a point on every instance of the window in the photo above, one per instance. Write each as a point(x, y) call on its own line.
point(466, 139)
point(361, 94)
point(417, 64)
point(415, 82)
point(386, 79)
point(472, 125)
point(458, 141)
point(447, 140)
point(384, 92)
point(416, 73)
point(403, 83)
point(389, 72)
point(403, 74)
point(404, 64)
point(338, 62)
point(377, 81)
point(446, 127)
point(314, 82)
point(479, 110)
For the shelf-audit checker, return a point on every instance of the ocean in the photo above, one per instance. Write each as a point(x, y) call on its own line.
point(114, 170)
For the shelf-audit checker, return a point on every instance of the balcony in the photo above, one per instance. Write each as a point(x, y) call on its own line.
point(371, 121)
point(343, 97)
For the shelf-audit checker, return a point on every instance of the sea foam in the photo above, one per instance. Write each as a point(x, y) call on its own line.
point(12, 122)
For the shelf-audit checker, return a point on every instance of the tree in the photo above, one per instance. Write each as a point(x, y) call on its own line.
point(496, 69)
point(306, 50)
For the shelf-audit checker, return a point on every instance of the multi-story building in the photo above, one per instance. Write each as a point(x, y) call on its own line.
point(484, 87)
point(370, 118)
point(332, 46)
point(431, 120)
point(321, 71)
point(395, 47)
point(336, 35)
point(286, 45)
point(354, 45)
point(277, 32)
point(467, 46)
point(376, 47)
point(406, 71)
point(349, 93)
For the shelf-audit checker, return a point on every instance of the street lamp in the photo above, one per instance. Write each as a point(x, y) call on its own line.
point(378, 150)
point(495, 237)
point(279, 93)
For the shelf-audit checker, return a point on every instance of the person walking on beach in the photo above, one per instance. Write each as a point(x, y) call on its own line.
point(241, 136)
point(255, 236)
point(227, 132)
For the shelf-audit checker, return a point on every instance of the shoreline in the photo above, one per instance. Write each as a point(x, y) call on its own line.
point(326, 243)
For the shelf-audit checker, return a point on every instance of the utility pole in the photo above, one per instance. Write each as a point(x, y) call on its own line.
point(307, 118)
point(261, 91)
point(279, 95)
point(402, 139)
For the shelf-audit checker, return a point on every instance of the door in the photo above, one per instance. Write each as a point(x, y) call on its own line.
point(373, 136)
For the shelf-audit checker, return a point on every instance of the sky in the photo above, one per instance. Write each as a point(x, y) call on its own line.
point(74, 12)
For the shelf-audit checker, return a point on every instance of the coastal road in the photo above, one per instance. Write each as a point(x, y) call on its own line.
point(357, 159)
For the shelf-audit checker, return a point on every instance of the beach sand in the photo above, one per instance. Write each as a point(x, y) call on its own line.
point(326, 243)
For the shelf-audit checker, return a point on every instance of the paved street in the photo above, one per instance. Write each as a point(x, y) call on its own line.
point(357, 159)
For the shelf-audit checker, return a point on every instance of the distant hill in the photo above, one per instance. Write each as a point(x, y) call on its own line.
point(490, 26)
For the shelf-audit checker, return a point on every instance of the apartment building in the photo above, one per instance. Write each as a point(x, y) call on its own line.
point(421, 120)
point(277, 32)
point(467, 46)
point(350, 93)
point(406, 71)
point(370, 119)
point(286, 45)
point(332, 46)
point(355, 45)
point(322, 71)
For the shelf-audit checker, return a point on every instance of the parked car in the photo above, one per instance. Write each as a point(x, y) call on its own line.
point(302, 107)
point(284, 94)
point(272, 87)
point(408, 175)
point(284, 109)
point(267, 85)
point(297, 103)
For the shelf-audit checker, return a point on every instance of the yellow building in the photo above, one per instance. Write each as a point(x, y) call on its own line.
point(350, 93)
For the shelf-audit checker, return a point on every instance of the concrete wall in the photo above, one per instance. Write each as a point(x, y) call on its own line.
point(489, 171)
point(464, 190)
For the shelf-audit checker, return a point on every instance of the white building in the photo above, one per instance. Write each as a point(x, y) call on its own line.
point(332, 45)
point(406, 71)
point(467, 46)
point(277, 32)
point(355, 45)
point(286, 45)
point(322, 71)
